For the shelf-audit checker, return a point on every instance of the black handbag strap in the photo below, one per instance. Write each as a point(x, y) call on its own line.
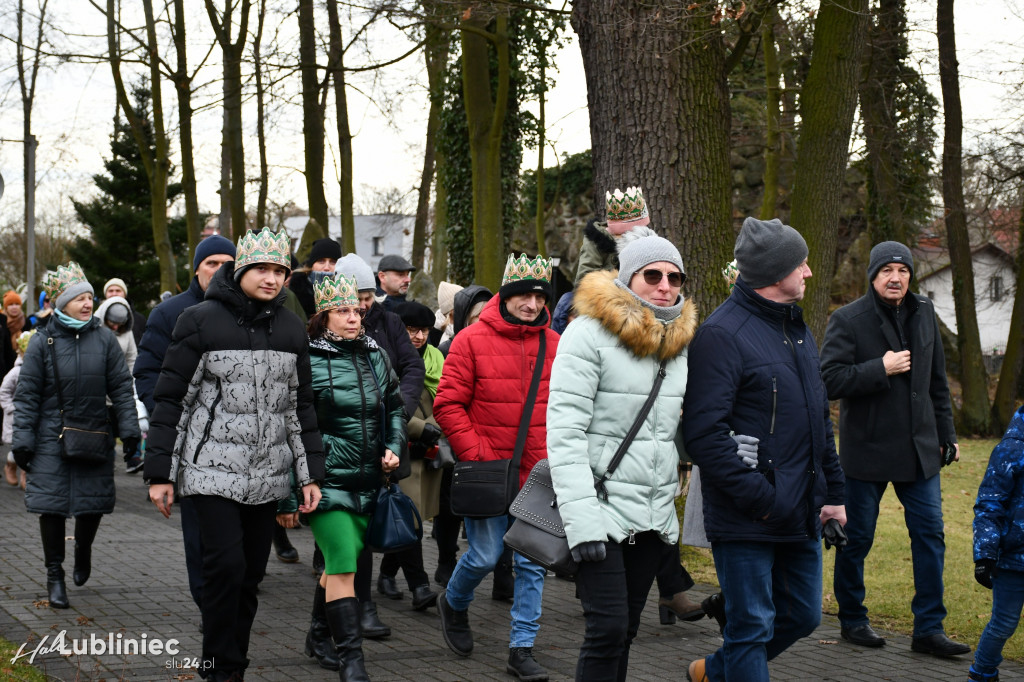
point(56, 374)
point(631, 434)
point(531, 397)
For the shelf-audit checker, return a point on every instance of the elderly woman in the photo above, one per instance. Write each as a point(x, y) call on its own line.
point(90, 367)
point(361, 414)
point(629, 323)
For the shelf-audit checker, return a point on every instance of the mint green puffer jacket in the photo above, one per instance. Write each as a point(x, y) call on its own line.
point(606, 364)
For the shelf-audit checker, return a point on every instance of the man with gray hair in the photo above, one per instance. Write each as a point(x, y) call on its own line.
point(882, 359)
point(753, 369)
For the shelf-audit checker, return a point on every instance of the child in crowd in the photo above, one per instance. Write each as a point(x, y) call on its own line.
point(7, 388)
point(999, 547)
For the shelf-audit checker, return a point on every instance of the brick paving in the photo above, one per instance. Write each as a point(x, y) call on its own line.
point(138, 586)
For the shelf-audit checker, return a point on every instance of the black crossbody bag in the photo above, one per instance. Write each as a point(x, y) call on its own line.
point(485, 489)
point(79, 442)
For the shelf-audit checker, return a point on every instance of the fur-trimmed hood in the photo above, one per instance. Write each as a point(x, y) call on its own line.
point(620, 313)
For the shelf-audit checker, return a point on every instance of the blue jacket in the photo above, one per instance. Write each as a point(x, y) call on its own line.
point(753, 370)
point(999, 511)
point(157, 337)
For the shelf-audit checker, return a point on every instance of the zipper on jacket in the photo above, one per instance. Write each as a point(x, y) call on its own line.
point(362, 423)
point(775, 402)
point(209, 424)
point(632, 538)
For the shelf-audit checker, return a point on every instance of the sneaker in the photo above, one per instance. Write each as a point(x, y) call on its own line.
point(523, 665)
point(975, 676)
point(134, 465)
point(455, 627)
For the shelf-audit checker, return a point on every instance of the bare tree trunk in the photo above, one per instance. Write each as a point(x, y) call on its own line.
point(828, 104)
point(224, 217)
point(772, 105)
point(183, 86)
point(975, 413)
point(337, 69)
point(542, 249)
point(439, 237)
point(156, 163)
point(660, 118)
point(261, 135)
point(312, 115)
point(232, 51)
point(1009, 373)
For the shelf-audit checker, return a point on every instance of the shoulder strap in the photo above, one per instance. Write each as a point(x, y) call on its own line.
point(56, 374)
point(631, 434)
point(531, 397)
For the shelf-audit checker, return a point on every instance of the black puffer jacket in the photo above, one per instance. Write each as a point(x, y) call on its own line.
point(388, 330)
point(234, 403)
point(92, 367)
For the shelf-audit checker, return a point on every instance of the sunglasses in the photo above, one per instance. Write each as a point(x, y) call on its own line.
point(653, 277)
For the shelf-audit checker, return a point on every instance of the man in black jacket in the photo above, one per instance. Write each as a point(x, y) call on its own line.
point(882, 359)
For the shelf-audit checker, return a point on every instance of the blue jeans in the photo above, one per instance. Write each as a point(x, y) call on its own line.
point(486, 544)
point(772, 598)
point(922, 502)
point(1007, 602)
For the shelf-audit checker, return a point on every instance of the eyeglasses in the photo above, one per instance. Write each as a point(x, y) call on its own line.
point(653, 277)
point(346, 311)
point(418, 330)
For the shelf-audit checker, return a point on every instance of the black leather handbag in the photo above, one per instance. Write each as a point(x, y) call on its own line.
point(486, 489)
point(80, 442)
point(538, 532)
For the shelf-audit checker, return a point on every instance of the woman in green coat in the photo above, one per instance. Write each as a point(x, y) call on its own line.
point(360, 411)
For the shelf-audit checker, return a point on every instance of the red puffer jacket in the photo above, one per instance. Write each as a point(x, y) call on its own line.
point(483, 389)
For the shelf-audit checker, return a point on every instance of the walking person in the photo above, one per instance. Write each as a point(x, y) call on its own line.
point(7, 389)
point(238, 370)
point(882, 360)
point(360, 411)
point(70, 369)
point(480, 404)
point(631, 334)
point(753, 374)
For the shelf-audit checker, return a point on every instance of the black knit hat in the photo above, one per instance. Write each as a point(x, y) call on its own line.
point(415, 314)
point(889, 252)
point(324, 248)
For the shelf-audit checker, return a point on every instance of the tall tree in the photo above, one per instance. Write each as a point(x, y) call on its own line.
point(1010, 372)
point(336, 71)
point(155, 159)
point(827, 106)
point(773, 115)
point(975, 414)
point(312, 115)
point(232, 49)
point(182, 80)
point(261, 134)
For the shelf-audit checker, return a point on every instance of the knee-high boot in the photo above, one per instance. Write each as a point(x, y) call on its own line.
point(343, 618)
point(85, 532)
point(318, 639)
point(51, 529)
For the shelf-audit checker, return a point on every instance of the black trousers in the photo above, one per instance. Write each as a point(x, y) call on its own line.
point(446, 524)
point(672, 575)
point(411, 563)
point(193, 549)
point(613, 593)
point(236, 544)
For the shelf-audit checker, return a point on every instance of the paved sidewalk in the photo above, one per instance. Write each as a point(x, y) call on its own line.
point(138, 586)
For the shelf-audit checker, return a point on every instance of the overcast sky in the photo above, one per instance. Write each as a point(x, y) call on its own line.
point(75, 106)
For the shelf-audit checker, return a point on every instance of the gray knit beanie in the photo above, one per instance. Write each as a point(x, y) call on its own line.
point(352, 265)
point(767, 250)
point(889, 252)
point(73, 292)
point(644, 251)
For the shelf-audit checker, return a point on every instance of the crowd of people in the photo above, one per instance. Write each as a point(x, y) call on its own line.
point(272, 393)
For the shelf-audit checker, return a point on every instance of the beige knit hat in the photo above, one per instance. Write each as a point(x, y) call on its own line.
point(446, 296)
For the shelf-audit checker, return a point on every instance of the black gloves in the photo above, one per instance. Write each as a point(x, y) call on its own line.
point(129, 447)
point(834, 535)
point(22, 457)
point(430, 435)
point(589, 551)
point(984, 571)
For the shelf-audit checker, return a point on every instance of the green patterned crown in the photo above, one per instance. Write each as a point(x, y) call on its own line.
point(265, 246)
point(334, 291)
point(57, 282)
point(523, 268)
point(625, 206)
point(23, 340)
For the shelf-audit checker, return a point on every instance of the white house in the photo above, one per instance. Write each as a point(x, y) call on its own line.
point(994, 281)
point(376, 235)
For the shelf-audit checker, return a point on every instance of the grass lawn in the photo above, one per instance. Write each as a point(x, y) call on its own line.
point(888, 572)
point(19, 671)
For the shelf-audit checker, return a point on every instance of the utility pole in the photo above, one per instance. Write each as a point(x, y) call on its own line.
point(30, 221)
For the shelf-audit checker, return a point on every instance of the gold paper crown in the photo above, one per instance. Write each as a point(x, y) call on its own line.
point(625, 207)
point(265, 246)
point(57, 282)
point(334, 291)
point(23, 340)
point(523, 268)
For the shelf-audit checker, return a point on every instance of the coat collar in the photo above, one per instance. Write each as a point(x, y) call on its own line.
point(620, 313)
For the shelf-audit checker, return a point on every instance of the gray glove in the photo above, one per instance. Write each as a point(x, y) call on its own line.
point(589, 551)
point(746, 449)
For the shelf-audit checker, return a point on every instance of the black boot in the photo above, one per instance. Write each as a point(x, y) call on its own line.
point(343, 618)
point(318, 639)
point(523, 665)
point(51, 529)
point(85, 532)
point(714, 606)
point(370, 622)
point(283, 546)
